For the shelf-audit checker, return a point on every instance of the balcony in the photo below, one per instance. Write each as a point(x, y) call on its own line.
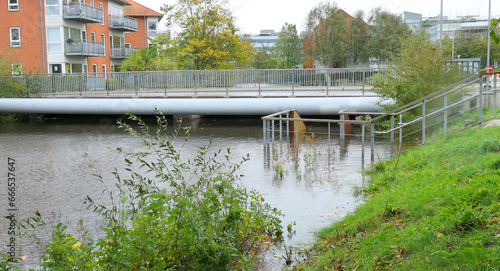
point(123, 23)
point(82, 13)
point(122, 52)
point(83, 48)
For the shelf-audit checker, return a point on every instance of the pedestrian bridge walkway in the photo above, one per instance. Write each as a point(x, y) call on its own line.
point(228, 92)
point(219, 83)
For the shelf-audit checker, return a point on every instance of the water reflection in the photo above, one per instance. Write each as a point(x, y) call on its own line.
point(316, 187)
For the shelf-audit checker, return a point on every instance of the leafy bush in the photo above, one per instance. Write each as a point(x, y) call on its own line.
point(173, 214)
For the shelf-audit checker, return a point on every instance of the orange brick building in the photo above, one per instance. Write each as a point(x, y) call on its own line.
point(148, 24)
point(65, 36)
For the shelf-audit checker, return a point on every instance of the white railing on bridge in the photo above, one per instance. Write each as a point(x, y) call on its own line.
point(276, 82)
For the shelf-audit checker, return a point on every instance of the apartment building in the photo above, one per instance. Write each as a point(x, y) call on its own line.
point(65, 36)
point(148, 24)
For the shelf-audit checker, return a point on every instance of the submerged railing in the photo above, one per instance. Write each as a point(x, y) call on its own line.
point(467, 103)
point(282, 82)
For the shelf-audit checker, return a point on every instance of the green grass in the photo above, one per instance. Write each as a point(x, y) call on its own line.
point(434, 208)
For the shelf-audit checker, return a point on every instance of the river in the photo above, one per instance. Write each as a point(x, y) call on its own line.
point(55, 163)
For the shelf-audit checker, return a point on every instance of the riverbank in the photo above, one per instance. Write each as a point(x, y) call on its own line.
point(435, 207)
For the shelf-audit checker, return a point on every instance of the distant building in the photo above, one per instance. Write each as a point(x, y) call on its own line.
point(413, 20)
point(265, 40)
point(451, 27)
point(148, 24)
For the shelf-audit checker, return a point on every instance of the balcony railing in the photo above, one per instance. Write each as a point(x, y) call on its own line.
point(82, 13)
point(84, 48)
point(122, 52)
point(123, 23)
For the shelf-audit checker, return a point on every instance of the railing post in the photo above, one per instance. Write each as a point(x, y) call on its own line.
point(194, 82)
point(372, 140)
point(82, 77)
point(136, 87)
point(400, 131)
point(297, 132)
point(288, 125)
point(258, 80)
point(329, 124)
point(363, 144)
point(272, 130)
point(423, 122)
point(364, 81)
point(327, 81)
point(445, 120)
point(481, 103)
point(495, 96)
point(281, 128)
point(342, 126)
point(264, 131)
point(392, 129)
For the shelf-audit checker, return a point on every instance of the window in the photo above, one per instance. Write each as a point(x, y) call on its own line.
point(52, 7)
point(94, 68)
point(84, 36)
point(13, 5)
point(102, 8)
point(15, 37)
point(92, 36)
point(54, 40)
point(103, 67)
point(17, 69)
point(152, 26)
point(85, 68)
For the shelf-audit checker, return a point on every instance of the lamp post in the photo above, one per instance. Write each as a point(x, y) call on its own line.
point(489, 38)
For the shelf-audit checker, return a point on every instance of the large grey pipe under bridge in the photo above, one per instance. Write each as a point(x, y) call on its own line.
point(189, 106)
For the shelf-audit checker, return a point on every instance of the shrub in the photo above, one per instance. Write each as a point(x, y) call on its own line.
point(176, 214)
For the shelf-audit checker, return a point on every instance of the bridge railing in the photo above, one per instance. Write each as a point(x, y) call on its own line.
point(275, 82)
point(467, 103)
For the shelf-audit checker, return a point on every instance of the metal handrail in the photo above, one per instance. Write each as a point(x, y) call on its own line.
point(463, 104)
point(279, 82)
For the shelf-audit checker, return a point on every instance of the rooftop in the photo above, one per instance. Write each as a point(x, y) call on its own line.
point(136, 9)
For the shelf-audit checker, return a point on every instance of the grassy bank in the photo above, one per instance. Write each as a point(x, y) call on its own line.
point(434, 208)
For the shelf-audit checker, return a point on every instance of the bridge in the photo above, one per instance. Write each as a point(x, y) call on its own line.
point(226, 92)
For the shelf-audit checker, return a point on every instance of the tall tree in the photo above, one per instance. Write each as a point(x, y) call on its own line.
point(418, 69)
point(475, 46)
point(333, 36)
point(207, 37)
point(287, 51)
point(360, 33)
point(387, 33)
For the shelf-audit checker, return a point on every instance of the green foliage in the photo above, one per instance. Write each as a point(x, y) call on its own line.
point(11, 86)
point(148, 59)
point(419, 69)
point(333, 37)
point(387, 33)
point(261, 59)
point(207, 38)
point(494, 30)
point(287, 52)
point(173, 213)
point(434, 207)
point(475, 46)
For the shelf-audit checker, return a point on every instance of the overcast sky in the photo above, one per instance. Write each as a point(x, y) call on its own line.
point(255, 15)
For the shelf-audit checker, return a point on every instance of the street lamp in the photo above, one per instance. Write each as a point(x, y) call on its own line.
point(489, 37)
